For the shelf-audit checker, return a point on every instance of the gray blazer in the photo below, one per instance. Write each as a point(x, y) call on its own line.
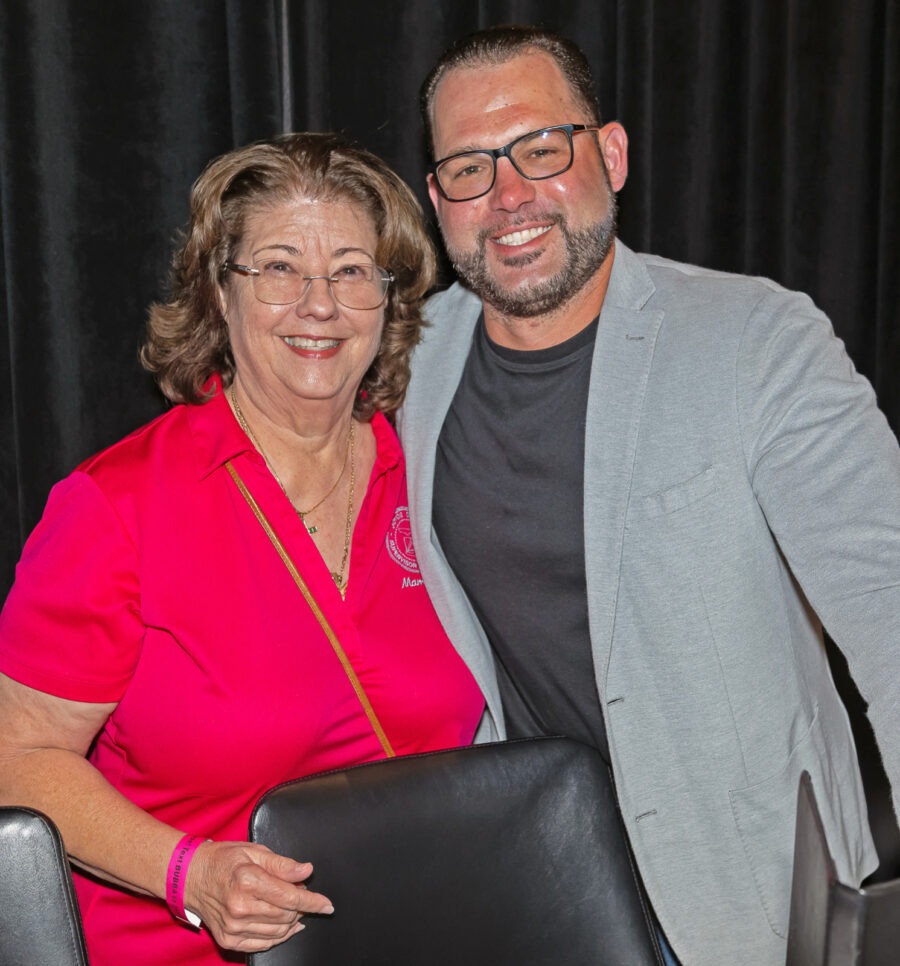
point(740, 486)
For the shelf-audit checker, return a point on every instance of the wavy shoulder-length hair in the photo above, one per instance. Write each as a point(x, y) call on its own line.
point(187, 338)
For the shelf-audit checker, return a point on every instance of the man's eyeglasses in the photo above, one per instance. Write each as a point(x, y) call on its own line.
point(280, 281)
point(536, 155)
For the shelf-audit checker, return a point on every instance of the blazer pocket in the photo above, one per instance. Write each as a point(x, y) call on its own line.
point(764, 815)
point(679, 495)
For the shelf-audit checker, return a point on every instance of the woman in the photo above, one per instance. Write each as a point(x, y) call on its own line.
point(161, 669)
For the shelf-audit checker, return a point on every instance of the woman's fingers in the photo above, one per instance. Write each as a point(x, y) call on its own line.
point(248, 897)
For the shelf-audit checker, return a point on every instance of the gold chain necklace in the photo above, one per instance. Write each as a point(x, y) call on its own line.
point(336, 576)
point(348, 526)
point(300, 513)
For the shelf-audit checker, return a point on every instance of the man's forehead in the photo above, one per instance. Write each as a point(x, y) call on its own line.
point(474, 102)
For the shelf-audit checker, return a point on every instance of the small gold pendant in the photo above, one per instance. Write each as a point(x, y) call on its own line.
point(311, 530)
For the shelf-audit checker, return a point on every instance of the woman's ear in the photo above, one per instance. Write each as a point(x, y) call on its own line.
point(223, 302)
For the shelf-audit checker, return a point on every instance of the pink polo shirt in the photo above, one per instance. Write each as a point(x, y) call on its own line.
point(149, 582)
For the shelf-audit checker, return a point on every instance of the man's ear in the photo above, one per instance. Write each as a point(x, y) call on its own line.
point(433, 192)
point(614, 148)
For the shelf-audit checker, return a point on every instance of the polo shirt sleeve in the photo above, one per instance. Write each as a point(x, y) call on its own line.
point(71, 625)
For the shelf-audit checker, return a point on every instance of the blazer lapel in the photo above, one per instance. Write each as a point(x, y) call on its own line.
point(438, 362)
point(626, 338)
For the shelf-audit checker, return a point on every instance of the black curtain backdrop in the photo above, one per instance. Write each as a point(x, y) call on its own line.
point(765, 138)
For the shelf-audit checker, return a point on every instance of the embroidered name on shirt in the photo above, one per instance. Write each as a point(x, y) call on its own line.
point(399, 542)
point(411, 582)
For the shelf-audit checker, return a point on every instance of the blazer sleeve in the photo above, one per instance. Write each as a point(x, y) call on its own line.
point(825, 468)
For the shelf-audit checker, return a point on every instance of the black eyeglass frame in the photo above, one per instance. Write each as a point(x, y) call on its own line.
point(496, 153)
point(248, 271)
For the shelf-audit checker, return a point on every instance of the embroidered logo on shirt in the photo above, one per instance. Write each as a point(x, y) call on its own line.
point(399, 541)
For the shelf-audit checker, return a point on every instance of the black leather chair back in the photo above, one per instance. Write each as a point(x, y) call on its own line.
point(408, 851)
point(40, 924)
point(831, 923)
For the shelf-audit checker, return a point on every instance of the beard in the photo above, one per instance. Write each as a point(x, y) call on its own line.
point(585, 251)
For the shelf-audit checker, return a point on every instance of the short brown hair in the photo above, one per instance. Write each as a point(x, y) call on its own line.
point(187, 339)
point(499, 45)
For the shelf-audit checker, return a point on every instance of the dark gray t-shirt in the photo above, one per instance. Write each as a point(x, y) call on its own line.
point(508, 510)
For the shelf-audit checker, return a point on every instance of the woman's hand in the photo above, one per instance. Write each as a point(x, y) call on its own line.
point(248, 897)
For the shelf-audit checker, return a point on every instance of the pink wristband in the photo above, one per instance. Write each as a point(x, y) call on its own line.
point(177, 875)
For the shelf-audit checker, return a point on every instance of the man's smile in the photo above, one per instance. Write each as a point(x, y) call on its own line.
point(521, 237)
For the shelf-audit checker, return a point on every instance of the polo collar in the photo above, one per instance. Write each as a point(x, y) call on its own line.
point(218, 437)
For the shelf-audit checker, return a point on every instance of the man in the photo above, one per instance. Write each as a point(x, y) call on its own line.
point(650, 484)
